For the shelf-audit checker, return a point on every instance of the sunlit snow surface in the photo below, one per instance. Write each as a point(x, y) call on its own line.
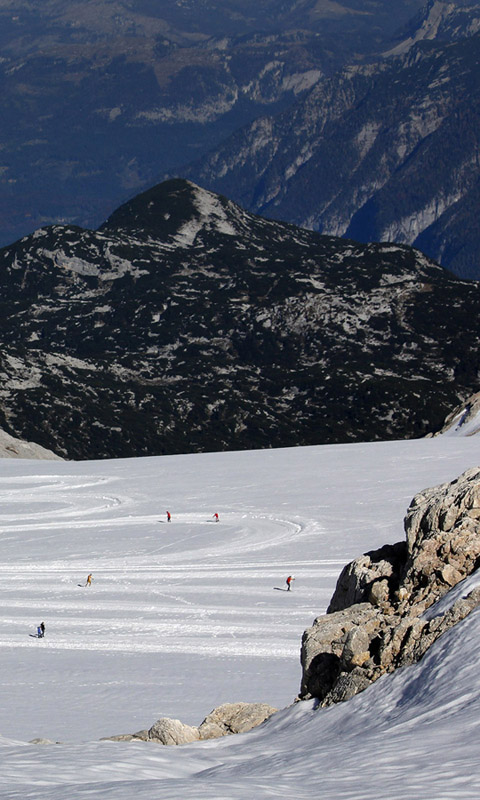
point(465, 423)
point(184, 616)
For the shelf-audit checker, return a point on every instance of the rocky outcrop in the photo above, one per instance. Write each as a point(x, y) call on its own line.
point(234, 718)
point(377, 619)
point(41, 740)
point(371, 577)
point(172, 731)
point(224, 720)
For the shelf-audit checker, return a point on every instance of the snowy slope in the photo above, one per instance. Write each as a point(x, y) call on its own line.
point(465, 424)
point(464, 420)
point(182, 616)
point(11, 447)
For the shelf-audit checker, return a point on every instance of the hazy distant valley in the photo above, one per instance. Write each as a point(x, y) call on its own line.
point(381, 151)
point(99, 100)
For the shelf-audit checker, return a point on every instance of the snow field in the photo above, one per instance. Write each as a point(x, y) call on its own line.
point(183, 616)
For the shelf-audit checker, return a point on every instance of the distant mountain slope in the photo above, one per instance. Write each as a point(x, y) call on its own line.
point(441, 20)
point(101, 98)
point(186, 324)
point(382, 152)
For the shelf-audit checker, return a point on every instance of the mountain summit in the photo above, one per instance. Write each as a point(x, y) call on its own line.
point(177, 211)
point(187, 324)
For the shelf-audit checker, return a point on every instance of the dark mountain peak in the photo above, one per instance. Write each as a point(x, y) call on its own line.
point(163, 209)
point(175, 211)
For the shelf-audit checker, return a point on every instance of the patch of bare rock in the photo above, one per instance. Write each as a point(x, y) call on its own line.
point(227, 719)
point(377, 620)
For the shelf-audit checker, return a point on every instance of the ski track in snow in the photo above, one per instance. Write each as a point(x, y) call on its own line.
point(182, 617)
point(47, 511)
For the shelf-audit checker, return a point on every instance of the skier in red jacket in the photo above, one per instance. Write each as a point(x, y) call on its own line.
point(289, 581)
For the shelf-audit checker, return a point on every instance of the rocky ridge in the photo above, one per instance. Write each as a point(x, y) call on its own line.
point(387, 608)
point(185, 324)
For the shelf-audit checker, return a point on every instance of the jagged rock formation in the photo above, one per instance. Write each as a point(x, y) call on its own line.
point(384, 151)
point(382, 614)
point(225, 720)
point(185, 324)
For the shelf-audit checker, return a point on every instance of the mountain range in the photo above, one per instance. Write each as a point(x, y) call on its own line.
point(101, 99)
point(186, 324)
point(383, 150)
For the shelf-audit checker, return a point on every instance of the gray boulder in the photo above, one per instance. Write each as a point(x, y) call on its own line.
point(232, 718)
point(172, 731)
point(222, 721)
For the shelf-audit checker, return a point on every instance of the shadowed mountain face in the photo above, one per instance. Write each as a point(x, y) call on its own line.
point(385, 151)
point(186, 324)
point(99, 99)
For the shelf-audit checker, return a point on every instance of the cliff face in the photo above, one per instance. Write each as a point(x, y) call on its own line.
point(384, 151)
point(387, 608)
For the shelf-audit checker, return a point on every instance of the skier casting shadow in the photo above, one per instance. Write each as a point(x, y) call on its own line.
point(40, 631)
point(289, 581)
